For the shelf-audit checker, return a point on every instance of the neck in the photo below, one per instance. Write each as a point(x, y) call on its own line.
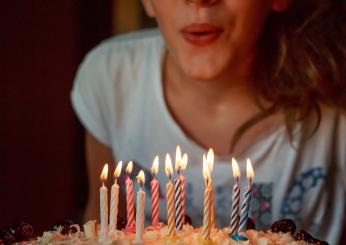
point(234, 81)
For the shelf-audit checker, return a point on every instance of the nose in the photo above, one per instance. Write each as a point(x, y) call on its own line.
point(202, 2)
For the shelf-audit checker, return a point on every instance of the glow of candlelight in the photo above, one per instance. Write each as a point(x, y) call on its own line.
point(178, 159)
point(117, 171)
point(129, 167)
point(210, 159)
point(104, 173)
point(155, 166)
point(206, 170)
point(168, 166)
point(184, 160)
point(249, 171)
point(141, 178)
point(235, 168)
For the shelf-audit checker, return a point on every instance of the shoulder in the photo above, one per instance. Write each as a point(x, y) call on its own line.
point(128, 47)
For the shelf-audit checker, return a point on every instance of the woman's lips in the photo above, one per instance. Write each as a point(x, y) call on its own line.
point(201, 34)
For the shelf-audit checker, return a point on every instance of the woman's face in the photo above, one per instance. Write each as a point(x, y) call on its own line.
point(207, 38)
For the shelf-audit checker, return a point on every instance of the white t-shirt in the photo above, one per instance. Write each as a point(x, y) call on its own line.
point(118, 97)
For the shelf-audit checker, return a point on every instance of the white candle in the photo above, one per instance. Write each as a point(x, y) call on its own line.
point(104, 206)
point(140, 216)
point(114, 200)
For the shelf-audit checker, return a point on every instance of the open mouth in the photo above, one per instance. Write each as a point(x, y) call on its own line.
point(201, 34)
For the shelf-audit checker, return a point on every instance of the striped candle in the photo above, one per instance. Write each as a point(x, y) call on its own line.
point(207, 201)
point(130, 226)
point(183, 165)
point(178, 208)
point(183, 184)
point(155, 193)
point(206, 213)
point(235, 199)
point(103, 234)
point(235, 209)
point(212, 205)
point(245, 209)
point(247, 198)
point(170, 197)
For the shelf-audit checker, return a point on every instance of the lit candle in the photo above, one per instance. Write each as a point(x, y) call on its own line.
point(104, 206)
point(183, 184)
point(130, 226)
point(170, 197)
point(207, 201)
point(114, 200)
point(247, 198)
point(155, 193)
point(210, 162)
point(235, 199)
point(177, 192)
point(140, 217)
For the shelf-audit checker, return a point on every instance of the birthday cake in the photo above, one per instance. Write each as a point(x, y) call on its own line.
point(282, 233)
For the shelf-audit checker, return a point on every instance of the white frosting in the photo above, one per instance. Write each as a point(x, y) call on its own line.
point(159, 235)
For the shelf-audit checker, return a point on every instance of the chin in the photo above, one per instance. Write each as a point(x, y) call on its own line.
point(202, 72)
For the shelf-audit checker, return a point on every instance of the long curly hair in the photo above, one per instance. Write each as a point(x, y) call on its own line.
point(301, 63)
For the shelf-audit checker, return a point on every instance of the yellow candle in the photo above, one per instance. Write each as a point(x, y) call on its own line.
point(210, 163)
point(207, 202)
point(170, 197)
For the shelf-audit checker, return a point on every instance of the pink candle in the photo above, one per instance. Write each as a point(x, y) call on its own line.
point(130, 226)
point(104, 206)
point(155, 193)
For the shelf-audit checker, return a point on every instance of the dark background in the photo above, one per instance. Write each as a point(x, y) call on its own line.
point(42, 167)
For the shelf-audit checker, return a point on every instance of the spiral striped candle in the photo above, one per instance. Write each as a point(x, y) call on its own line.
point(178, 209)
point(103, 234)
point(114, 207)
point(235, 209)
point(129, 204)
point(212, 205)
point(103, 214)
point(245, 208)
point(182, 179)
point(155, 202)
point(206, 214)
point(170, 208)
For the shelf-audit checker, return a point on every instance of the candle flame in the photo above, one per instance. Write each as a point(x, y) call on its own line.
point(129, 167)
point(168, 166)
point(249, 171)
point(235, 168)
point(104, 173)
point(155, 166)
point(141, 177)
point(184, 162)
point(117, 171)
point(210, 159)
point(206, 170)
point(178, 158)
